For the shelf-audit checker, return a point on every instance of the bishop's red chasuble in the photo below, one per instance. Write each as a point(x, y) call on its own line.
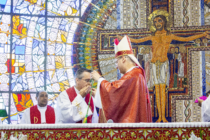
point(72, 94)
point(35, 115)
point(126, 100)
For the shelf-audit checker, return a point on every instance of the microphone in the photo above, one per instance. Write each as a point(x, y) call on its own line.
point(110, 121)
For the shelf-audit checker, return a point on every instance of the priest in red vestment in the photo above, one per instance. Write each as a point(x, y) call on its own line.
point(72, 104)
point(127, 99)
point(40, 113)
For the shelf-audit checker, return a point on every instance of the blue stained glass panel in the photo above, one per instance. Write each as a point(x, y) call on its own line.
point(63, 7)
point(20, 49)
point(33, 63)
point(28, 51)
point(30, 7)
point(5, 6)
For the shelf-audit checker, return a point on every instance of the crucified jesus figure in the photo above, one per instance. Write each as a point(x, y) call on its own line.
point(161, 39)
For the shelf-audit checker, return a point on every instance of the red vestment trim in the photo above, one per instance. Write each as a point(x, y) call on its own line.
point(124, 52)
point(35, 115)
point(129, 42)
point(72, 95)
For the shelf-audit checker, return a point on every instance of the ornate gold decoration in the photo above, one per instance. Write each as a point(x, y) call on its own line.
point(90, 134)
point(16, 133)
point(67, 135)
point(46, 133)
point(58, 135)
point(167, 133)
point(123, 134)
point(157, 134)
point(133, 134)
point(158, 13)
point(79, 133)
point(36, 135)
point(110, 133)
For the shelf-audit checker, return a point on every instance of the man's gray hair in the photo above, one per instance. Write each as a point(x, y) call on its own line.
point(80, 72)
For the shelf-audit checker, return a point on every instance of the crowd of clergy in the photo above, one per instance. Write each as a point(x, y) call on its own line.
point(123, 101)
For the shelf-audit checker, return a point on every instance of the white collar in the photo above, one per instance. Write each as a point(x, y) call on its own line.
point(39, 107)
point(77, 91)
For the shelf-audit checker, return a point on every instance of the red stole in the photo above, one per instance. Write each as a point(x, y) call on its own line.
point(72, 94)
point(35, 115)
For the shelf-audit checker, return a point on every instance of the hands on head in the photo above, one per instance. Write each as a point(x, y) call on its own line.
point(95, 75)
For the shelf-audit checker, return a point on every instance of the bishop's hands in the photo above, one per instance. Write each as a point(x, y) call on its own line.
point(93, 90)
point(85, 90)
point(95, 75)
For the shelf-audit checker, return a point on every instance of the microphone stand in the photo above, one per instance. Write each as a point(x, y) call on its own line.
point(85, 119)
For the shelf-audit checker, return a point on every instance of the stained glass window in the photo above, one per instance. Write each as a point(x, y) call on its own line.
point(36, 44)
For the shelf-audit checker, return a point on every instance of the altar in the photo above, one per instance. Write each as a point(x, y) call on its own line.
point(108, 131)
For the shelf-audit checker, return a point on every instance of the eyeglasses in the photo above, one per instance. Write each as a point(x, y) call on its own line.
point(86, 80)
